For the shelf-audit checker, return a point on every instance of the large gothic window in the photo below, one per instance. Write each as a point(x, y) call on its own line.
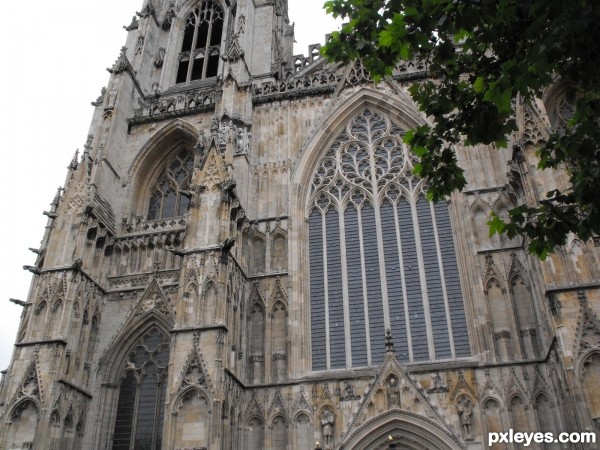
point(199, 57)
point(381, 256)
point(166, 199)
point(140, 411)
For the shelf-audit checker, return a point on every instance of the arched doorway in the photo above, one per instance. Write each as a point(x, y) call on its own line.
point(404, 430)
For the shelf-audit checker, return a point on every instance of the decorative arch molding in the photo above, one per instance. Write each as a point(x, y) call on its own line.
point(401, 111)
point(410, 430)
point(152, 158)
point(112, 362)
point(19, 404)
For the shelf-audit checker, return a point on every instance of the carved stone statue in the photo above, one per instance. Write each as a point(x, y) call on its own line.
point(327, 421)
point(393, 392)
point(465, 411)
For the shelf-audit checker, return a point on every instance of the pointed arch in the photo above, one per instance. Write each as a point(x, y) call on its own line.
point(401, 109)
point(279, 340)
point(526, 320)
point(279, 431)
point(192, 409)
point(258, 249)
point(23, 419)
point(359, 286)
point(256, 433)
point(480, 216)
point(589, 370)
point(500, 311)
point(113, 360)
point(256, 340)
point(403, 426)
point(492, 415)
point(153, 157)
point(518, 413)
point(279, 251)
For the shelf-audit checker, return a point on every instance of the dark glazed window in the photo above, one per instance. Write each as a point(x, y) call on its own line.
point(140, 410)
point(166, 199)
point(380, 255)
point(199, 57)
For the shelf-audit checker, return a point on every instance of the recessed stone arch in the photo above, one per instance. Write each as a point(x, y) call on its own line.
point(408, 430)
point(192, 411)
point(152, 157)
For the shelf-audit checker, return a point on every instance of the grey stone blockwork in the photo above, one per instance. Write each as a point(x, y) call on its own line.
point(229, 251)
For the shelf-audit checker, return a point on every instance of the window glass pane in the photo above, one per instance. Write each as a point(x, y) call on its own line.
point(169, 206)
point(202, 35)
point(184, 202)
point(213, 66)
point(215, 34)
point(154, 209)
point(124, 422)
point(182, 71)
point(147, 403)
point(188, 35)
point(197, 69)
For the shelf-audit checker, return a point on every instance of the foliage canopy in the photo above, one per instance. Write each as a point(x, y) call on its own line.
point(484, 56)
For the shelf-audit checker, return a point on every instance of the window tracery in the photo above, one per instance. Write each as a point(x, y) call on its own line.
point(166, 197)
point(140, 410)
point(199, 56)
point(380, 255)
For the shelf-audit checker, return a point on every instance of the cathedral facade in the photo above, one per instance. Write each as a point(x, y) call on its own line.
point(242, 259)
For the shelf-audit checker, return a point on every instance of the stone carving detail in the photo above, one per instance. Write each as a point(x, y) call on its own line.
point(349, 392)
point(121, 64)
point(169, 17)
point(100, 98)
point(30, 387)
point(393, 392)
point(140, 44)
point(134, 25)
point(159, 59)
point(437, 385)
point(465, 413)
point(327, 421)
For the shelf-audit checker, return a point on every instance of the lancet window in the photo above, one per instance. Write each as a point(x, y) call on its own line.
point(140, 410)
point(199, 56)
point(166, 197)
point(381, 256)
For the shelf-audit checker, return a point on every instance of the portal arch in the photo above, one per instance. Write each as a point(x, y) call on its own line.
point(408, 430)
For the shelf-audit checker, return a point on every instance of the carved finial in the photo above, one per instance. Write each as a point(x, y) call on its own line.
point(133, 25)
point(56, 199)
point(389, 343)
point(74, 161)
point(100, 98)
point(121, 63)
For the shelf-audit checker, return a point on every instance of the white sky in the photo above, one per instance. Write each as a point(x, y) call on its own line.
point(55, 57)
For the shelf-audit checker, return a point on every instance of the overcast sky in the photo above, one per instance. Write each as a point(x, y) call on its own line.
point(55, 56)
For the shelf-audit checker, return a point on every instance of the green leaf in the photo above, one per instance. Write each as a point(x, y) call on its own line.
point(479, 85)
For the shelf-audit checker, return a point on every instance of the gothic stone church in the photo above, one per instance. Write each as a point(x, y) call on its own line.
point(241, 231)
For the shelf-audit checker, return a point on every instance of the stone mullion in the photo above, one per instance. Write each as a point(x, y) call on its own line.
point(207, 46)
point(364, 285)
point(421, 263)
point(443, 280)
point(325, 293)
point(404, 293)
point(188, 76)
point(380, 250)
point(343, 260)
